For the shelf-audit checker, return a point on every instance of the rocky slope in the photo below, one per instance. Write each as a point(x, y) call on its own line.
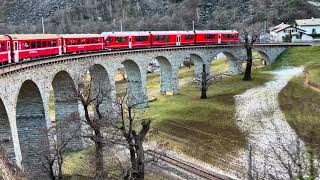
point(97, 15)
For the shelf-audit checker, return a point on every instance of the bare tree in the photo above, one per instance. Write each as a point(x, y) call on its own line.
point(205, 81)
point(90, 97)
point(249, 40)
point(133, 137)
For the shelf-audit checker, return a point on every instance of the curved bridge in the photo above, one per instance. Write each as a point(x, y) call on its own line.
point(25, 88)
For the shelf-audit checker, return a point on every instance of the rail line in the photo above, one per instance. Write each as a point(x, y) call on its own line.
point(187, 167)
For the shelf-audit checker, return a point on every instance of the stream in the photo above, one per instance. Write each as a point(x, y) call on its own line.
point(272, 140)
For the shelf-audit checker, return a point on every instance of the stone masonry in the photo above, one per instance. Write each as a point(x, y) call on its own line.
point(25, 93)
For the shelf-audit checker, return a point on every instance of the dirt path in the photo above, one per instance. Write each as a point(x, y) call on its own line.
point(271, 137)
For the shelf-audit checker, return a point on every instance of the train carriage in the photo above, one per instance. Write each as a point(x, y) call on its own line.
point(75, 43)
point(127, 40)
point(165, 38)
point(216, 37)
point(27, 46)
point(5, 53)
point(185, 38)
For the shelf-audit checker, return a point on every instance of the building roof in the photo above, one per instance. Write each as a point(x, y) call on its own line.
point(283, 26)
point(308, 22)
point(279, 27)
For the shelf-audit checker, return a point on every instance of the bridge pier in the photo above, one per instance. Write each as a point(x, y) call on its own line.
point(136, 84)
point(5, 132)
point(66, 110)
point(32, 130)
point(168, 76)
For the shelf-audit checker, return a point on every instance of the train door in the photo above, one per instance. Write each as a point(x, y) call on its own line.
point(219, 39)
point(130, 42)
point(16, 51)
point(64, 45)
point(178, 43)
point(9, 51)
point(60, 46)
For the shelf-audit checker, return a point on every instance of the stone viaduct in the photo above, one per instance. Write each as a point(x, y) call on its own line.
point(25, 89)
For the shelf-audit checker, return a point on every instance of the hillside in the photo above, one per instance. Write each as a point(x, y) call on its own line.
point(65, 16)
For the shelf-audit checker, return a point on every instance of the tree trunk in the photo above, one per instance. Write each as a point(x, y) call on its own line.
point(203, 93)
point(247, 74)
point(140, 160)
point(100, 174)
point(204, 83)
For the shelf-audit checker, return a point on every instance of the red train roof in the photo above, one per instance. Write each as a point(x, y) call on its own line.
point(33, 36)
point(130, 33)
point(80, 35)
point(3, 37)
point(216, 31)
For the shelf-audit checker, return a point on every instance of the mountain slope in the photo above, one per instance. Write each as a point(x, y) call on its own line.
point(101, 15)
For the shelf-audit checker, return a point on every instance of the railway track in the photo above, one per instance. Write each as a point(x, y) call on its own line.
point(187, 167)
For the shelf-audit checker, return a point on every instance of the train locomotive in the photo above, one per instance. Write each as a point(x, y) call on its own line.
point(15, 48)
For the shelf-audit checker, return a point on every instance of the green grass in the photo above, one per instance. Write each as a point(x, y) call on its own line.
point(314, 72)
point(298, 56)
point(203, 129)
point(79, 165)
point(301, 105)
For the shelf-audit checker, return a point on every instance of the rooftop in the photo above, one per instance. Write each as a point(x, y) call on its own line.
point(308, 22)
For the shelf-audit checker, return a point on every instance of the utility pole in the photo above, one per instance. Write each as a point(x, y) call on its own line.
point(43, 30)
point(250, 177)
point(193, 26)
point(120, 25)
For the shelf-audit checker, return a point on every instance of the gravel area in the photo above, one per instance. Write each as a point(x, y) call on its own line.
point(272, 140)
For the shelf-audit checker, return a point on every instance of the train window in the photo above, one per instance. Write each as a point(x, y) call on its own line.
point(228, 36)
point(79, 41)
point(2, 48)
point(54, 43)
point(44, 43)
point(96, 40)
point(38, 44)
point(49, 43)
point(121, 39)
point(27, 45)
point(189, 37)
point(141, 38)
point(33, 44)
point(87, 41)
point(209, 36)
point(109, 39)
point(161, 38)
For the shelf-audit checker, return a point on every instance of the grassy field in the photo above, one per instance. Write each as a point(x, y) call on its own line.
point(203, 129)
point(301, 105)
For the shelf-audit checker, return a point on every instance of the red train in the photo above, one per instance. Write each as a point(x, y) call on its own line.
point(20, 47)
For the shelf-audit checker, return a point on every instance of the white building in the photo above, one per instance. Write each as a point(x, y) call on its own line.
point(288, 33)
point(311, 26)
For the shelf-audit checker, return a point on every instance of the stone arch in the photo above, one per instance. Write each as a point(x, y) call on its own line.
point(136, 89)
point(167, 81)
point(233, 66)
point(32, 129)
point(5, 132)
point(198, 62)
point(264, 57)
point(66, 108)
point(101, 84)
